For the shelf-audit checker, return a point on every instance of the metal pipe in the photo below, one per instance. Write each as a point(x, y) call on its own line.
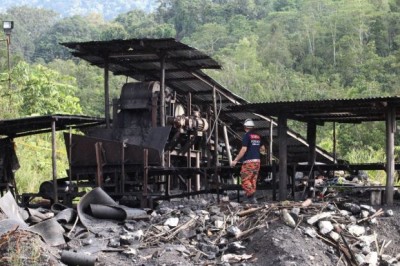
point(77, 258)
point(8, 40)
point(227, 145)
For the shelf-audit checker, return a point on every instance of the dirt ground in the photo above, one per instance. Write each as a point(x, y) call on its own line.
point(272, 243)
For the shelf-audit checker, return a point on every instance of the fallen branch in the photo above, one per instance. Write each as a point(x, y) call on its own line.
point(384, 246)
point(378, 213)
point(248, 232)
point(73, 227)
point(249, 211)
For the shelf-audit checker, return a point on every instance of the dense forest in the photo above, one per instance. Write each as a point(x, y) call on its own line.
point(108, 9)
point(271, 50)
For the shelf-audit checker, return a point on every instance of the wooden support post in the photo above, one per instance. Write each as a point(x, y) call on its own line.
point(144, 199)
point(162, 113)
point(168, 177)
point(334, 143)
point(106, 93)
point(311, 139)
point(215, 109)
point(282, 133)
point(99, 164)
point(198, 186)
point(312, 154)
point(274, 181)
point(390, 132)
point(294, 182)
point(54, 160)
point(216, 160)
point(70, 156)
point(271, 142)
point(122, 183)
point(189, 152)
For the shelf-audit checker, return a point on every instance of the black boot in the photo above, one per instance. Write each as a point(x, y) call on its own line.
point(252, 199)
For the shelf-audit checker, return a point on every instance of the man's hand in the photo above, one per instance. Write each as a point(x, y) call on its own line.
point(233, 163)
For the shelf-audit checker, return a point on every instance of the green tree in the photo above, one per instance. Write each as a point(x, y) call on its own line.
point(70, 29)
point(41, 91)
point(138, 24)
point(29, 25)
point(209, 38)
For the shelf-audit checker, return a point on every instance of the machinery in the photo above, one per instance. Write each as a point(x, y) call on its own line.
point(137, 156)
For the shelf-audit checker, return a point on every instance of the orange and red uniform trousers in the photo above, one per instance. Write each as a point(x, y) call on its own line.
point(249, 175)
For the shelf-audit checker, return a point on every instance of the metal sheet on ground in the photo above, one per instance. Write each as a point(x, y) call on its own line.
point(66, 216)
point(95, 196)
point(51, 231)
point(9, 225)
point(10, 208)
point(98, 204)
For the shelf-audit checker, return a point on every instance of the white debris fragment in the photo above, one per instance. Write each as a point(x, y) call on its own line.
point(172, 222)
point(335, 236)
point(233, 231)
point(368, 208)
point(232, 258)
point(288, 219)
point(318, 217)
point(219, 224)
point(367, 239)
point(364, 214)
point(325, 227)
point(360, 258)
point(372, 259)
point(310, 232)
point(388, 213)
point(356, 230)
point(345, 213)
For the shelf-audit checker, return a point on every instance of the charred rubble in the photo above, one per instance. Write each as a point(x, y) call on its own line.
point(100, 231)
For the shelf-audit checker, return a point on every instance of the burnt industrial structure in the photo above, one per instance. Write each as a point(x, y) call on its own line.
point(170, 133)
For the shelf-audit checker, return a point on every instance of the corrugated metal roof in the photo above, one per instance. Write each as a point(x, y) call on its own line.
point(137, 56)
point(41, 124)
point(139, 59)
point(320, 111)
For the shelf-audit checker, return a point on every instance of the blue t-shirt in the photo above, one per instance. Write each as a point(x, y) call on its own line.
point(253, 142)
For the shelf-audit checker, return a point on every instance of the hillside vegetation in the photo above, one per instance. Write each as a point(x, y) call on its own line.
point(271, 50)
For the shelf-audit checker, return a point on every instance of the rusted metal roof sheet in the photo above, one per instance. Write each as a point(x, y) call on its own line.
point(41, 124)
point(135, 57)
point(320, 111)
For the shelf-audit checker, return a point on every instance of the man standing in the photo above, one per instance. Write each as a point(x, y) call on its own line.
point(250, 154)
